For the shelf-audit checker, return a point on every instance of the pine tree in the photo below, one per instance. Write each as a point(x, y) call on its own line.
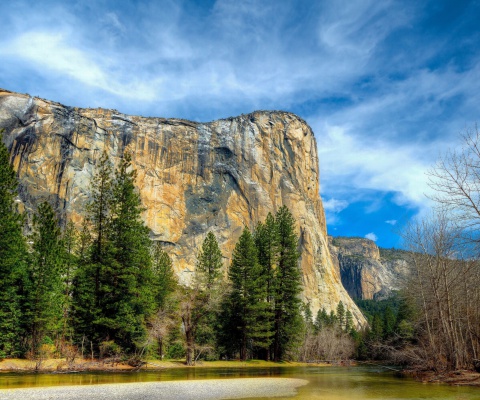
point(45, 276)
point(287, 286)
point(164, 280)
point(389, 320)
point(208, 274)
point(70, 262)
point(267, 243)
point(308, 316)
point(341, 314)
point(113, 288)
point(209, 261)
point(99, 214)
point(349, 321)
point(95, 255)
point(126, 293)
point(247, 299)
point(322, 320)
point(13, 256)
point(376, 332)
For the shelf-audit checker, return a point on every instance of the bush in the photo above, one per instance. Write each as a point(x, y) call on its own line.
point(175, 351)
point(109, 349)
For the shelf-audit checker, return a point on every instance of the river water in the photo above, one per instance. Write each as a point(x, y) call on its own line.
point(326, 383)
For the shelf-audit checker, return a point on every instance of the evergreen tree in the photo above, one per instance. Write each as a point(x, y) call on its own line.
point(332, 318)
point(322, 320)
point(209, 261)
point(389, 320)
point(113, 288)
point(95, 255)
point(208, 273)
point(376, 332)
point(349, 321)
point(341, 314)
point(163, 323)
point(99, 214)
point(287, 286)
point(45, 275)
point(267, 242)
point(70, 262)
point(13, 256)
point(308, 316)
point(164, 280)
point(126, 293)
point(247, 299)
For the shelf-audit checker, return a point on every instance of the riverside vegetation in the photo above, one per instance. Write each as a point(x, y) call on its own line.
point(108, 291)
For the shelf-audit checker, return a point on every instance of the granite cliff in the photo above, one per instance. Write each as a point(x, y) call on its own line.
point(367, 271)
point(193, 177)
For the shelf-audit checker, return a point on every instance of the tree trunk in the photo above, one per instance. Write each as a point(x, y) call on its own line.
point(160, 348)
point(190, 347)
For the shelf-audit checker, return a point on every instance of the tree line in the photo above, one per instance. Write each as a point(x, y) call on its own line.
point(106, 289)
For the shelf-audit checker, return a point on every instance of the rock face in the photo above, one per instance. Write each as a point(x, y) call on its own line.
point(368, 272)
point(193, 177)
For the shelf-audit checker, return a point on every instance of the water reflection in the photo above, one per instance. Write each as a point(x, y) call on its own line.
point(324, 382)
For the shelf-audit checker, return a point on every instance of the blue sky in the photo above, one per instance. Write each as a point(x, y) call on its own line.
point(387, 86)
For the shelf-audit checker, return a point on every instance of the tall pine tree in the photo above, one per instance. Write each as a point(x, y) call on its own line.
point(267, 243)
point(249, 309)
point(209, 261)
point(113, 289)
point(288, 320)
point(70, 262)
point(95, 256)
point(46, 278)
point(164, 280)
point(12, 259)
point(126, 293)
point(209, 274)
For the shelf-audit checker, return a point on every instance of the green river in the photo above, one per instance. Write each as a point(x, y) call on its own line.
point(328, 383)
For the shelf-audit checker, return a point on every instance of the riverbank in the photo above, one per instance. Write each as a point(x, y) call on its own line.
point(456, 378)
point(213, 389)
point(109, 365)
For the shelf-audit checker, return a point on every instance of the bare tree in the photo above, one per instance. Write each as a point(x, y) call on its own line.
point(331, 343)
point(456, 181)
point(160, 326)
point(445, 287)
point(195, 303)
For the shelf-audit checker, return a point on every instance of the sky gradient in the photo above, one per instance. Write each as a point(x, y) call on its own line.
point(387, 86)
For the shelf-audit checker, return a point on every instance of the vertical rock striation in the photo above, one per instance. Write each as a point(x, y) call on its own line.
point(193, 177)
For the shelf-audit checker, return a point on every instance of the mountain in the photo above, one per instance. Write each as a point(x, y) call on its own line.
point(193, 177)
point(367, 271)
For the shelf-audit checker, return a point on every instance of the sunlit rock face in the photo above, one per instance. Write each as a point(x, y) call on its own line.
point(192, 177)
point(368, 272)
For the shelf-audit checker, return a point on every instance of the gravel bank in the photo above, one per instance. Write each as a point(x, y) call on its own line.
point(214, 389)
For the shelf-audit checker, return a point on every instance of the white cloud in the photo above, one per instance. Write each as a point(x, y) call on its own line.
point(371, 236)
point(170, 58)
point(335, 205)
point(392, 222)
point(361, 163)
point(55, 53)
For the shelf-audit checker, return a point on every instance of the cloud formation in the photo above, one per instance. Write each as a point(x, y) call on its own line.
point(371, 236)
point(386, 86)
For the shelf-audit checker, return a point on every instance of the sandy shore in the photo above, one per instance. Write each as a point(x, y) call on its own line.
point(60, 365)
point(214, 389)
